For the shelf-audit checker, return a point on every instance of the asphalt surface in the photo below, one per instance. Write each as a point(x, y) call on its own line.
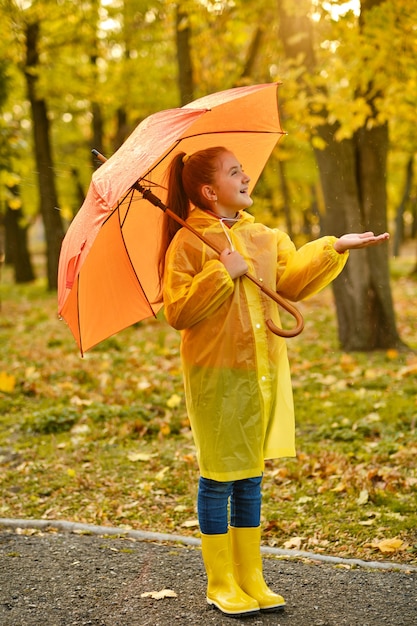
point(65, 579)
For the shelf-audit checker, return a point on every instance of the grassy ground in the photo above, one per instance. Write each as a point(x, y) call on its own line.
point(106, 440)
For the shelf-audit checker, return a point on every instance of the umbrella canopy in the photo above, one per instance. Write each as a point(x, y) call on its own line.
point(108, 266)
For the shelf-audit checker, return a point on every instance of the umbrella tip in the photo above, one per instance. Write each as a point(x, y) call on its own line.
point(98, 154)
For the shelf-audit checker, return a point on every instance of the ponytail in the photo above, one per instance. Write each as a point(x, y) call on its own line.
point(178, 203)
point(187, 175)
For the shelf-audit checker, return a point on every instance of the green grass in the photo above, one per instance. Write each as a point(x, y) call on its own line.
point(106, 439)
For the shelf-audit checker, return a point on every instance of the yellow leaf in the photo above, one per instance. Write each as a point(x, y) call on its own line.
point(160, 475)
point(159, 595)
point(372, 373)
point(339, 488)
point(318, 142)
point(347, 362)
point(14, 203)
point(174, 401)
point(139, 456)
point(7, 382)
point(387, 546)
point(164, 429)
point(71, 473)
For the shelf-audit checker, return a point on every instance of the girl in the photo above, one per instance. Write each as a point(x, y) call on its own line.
point(236, 371)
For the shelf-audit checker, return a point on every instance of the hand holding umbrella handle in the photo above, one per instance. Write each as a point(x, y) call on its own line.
point(272, 294)
point(281, 332)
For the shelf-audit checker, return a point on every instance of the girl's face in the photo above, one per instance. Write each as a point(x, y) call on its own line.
point(229, 191)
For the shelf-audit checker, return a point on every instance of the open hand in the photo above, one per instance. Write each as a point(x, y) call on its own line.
point(359, 240)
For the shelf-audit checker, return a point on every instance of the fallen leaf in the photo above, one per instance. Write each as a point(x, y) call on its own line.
point(174, 401)
point(76, 401)
point(139, 456)
point(159, 595)
point(180, 508)
point(7, 382)
point(164, 429)
point(294, 542)
point(387, 546)
point(80, 429)
point(347, 362)
point(408, 370)
point(144, 384)
point(160, 475)
point(330, 379)
point(363, 497)
point(339, 488)
point(190, 523)
point(304, 499)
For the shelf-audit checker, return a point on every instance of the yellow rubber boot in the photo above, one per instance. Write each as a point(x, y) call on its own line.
point(222, 590)
point(247, 561)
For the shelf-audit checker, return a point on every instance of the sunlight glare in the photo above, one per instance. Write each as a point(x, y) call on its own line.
point(340, 9)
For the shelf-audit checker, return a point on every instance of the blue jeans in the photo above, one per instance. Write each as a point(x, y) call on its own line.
point(213, 504)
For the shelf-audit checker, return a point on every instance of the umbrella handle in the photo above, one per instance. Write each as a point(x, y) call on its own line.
point(292, 310)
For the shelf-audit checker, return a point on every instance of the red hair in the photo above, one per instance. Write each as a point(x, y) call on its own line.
point(187, 175)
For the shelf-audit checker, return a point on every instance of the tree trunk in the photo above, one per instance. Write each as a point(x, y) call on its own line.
point(352, 174)
point(252, 56)
point(79, 190)
point(17, 251)
point(353, 180)
point(399, 218)
point(97, 125)
point(97, 121)
point(54, 231)
point(286, 198)
point(185, 68)
point(122, 128)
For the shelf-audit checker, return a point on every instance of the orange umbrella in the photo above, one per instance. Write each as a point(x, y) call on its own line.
point(107, 277)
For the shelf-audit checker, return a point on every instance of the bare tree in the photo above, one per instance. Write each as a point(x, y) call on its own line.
point(51, 217)
point(185, 68)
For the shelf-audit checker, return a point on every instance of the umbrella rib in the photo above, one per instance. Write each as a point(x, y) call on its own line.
point(232, 132)
point(128, 255)
point(131, 191)
point(78, 317)
point(118, 205)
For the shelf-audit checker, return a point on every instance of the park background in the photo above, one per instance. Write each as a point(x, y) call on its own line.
point(105, 439)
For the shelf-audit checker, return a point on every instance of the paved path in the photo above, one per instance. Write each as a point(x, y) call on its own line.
point(63, 579)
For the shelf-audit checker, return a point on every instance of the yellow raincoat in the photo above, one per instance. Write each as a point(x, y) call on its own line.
point(236, 371)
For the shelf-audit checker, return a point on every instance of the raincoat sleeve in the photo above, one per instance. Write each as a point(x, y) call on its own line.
point(304, 272)
point(193, 289)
